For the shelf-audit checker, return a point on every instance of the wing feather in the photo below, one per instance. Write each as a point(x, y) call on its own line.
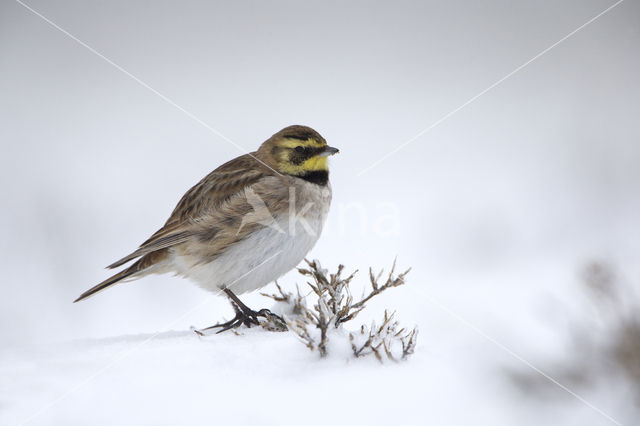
point(200, 202)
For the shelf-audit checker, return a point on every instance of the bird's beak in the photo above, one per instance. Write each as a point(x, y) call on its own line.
point(329, 150)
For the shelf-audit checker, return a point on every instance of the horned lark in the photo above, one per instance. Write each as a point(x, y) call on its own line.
point(245, 224)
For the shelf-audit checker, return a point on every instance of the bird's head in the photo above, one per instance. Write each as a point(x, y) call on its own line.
point(298, 151)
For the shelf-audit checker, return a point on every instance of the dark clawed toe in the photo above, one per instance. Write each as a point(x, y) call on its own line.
point(272, 322)
point(233, 323)
point(248, 317)
point(266, 313)
point(241, 318)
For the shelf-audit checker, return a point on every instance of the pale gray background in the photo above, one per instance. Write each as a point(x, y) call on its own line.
point(497, 208)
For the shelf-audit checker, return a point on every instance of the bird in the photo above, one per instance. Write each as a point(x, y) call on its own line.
point(244, 225)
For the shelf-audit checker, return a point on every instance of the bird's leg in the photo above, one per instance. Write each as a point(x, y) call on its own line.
point(274, 322)
point(250, 316)
point(244, 315)
point(233, 323)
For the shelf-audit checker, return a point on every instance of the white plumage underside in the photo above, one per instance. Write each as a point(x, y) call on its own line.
point(265, 255)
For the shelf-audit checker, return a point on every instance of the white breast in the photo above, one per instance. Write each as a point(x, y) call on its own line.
point(268, 253)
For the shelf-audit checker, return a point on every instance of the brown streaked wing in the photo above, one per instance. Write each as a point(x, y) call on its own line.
point(204, 197)
point(215, 188)
point(165, 237)
point(223, 227)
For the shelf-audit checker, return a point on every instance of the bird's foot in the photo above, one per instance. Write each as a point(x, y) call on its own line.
point(248, 317)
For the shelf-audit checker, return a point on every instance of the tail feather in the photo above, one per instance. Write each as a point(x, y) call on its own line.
point(105, 284)
point(143, 264)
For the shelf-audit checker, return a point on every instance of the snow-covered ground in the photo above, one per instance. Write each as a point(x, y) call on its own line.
point(177, 378)
point(497, 208)
point(457, 375)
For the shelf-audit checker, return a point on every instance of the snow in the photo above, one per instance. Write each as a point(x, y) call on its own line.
point(178, 378)
point(497, 209)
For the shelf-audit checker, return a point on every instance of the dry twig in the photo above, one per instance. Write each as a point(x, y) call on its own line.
point(334, 306)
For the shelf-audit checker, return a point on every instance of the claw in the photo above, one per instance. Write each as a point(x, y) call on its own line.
point(248, 317)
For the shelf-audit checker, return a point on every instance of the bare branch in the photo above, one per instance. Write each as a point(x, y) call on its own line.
point(333, 306)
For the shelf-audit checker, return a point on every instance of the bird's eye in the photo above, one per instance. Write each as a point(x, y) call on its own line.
point(299, 149)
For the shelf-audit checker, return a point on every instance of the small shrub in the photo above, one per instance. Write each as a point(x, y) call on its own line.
point(333, 306)
point(605, 341)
